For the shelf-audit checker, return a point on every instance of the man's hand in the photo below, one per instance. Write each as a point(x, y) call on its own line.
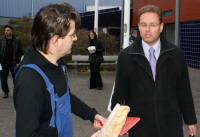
point(97, 119)
point(192, 130)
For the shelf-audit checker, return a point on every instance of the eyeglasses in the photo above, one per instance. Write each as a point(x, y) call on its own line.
point(151, 25)
point(72, 35)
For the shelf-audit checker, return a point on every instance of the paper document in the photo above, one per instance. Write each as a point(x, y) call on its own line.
point(91, 49)
point(109, 104)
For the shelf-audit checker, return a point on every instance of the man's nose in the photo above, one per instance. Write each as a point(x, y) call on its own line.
point(147, 28)
point(75, 39)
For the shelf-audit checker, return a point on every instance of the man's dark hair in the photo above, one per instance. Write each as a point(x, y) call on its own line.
point(95, 35)
point(8, 26)
point(133, 31)
point(151, 8)
point(52, 20)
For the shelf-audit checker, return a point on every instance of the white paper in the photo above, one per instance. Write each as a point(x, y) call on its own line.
point(22, 57)
point(0, 67)
point(109, 104)
point(91, 49)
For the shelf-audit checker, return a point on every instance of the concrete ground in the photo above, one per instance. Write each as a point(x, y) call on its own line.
point(95, 98)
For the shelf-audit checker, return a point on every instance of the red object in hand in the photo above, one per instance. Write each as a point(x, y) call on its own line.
point(99, 123)
point(130, 122)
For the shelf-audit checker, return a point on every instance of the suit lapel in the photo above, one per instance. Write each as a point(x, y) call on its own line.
point(137, 52)
point(166, 52)
point(144, 63)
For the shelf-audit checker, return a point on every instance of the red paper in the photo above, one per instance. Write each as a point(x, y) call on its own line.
point(130, 122)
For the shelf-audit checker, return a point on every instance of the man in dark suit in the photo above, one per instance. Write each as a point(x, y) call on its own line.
point(152, 78)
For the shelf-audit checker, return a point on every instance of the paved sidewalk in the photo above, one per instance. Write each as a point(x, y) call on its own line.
point(95, 98)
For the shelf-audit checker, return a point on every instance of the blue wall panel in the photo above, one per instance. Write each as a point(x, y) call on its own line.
point(190, 43)
point(14, 8)
point(20, 8)
point(104, 2)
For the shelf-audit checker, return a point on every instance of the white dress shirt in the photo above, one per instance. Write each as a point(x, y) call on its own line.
point(156, 47)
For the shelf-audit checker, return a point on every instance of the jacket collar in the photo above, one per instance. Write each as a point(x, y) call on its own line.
point(136, 47)
point(4, 39)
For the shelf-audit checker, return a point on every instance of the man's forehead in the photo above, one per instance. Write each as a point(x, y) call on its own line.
point(7, 28)
point(149, 16)
point(72, 26)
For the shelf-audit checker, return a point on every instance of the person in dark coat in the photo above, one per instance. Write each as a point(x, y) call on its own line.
point(52, 36)
point(10, 56)
point(132, 36)
point(95, 47)
point(161, 99)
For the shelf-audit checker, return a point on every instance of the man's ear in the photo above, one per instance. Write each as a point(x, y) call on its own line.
point(161, 27)
point(54, 40)
point(138, 25)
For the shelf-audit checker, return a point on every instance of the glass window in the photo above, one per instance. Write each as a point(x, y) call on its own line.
point(167, 13)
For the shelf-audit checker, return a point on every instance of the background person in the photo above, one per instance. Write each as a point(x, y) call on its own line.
point(95, 60)
point(10, 55)
point(132, 36)
point(52, 36)
point(155, 84)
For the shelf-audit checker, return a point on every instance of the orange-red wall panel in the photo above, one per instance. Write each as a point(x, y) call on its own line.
point(189, 9)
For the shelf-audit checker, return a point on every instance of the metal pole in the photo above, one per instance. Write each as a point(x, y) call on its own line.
point(177, 24)
point(84, 6)
point(122, 26)
point(32, 11)
point(96, 16)
point(126, 23)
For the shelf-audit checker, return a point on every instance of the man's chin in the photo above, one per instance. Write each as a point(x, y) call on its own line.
point(150, 42)
point(68, 52)
point(8, 35)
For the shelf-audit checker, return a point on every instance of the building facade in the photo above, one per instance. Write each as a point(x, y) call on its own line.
point(189, 25)
point(20, 8)
point(109, 12)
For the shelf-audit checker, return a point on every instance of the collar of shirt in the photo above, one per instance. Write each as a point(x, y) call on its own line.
point(146, 48)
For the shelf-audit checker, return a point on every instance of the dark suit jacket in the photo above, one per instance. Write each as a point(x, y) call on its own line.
point(161, 104)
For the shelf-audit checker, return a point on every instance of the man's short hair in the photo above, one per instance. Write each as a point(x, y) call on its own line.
point(52, 20)
point(133, 31)
point(8, 26)
point(151, 8)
